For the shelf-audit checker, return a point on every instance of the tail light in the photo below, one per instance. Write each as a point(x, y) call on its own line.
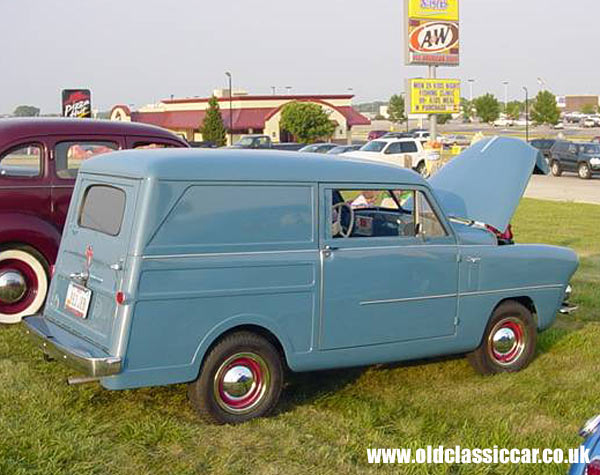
point(120, 297)
point(593, 467)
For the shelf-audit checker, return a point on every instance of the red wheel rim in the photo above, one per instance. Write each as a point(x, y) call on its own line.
point(507, 341)
point(241, 382)
point(31, 282)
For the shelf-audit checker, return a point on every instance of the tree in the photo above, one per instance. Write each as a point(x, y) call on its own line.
point(589, 109)
point(487, 107)
point(212, 127)
point(306, 121)
point(396, 109)
point(26, 111)
point(444, 118)
point(466, 107)
point(544, 109)
point(514, 109)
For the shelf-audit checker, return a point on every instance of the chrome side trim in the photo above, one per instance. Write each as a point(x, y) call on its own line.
point(516, 289)
point(408, 299)
point(72, 357)
point(463, 294)
point(219, 254)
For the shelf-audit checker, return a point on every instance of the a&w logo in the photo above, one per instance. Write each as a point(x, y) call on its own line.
point(434, 37)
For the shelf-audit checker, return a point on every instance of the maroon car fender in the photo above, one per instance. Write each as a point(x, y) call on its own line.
point(30, 230)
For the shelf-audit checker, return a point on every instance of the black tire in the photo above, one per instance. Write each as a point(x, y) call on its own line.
point(556, 168)
point(497, 355)
point(248, 357)
point(584, 171)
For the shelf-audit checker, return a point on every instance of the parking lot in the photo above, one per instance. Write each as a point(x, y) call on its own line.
point(564, 188)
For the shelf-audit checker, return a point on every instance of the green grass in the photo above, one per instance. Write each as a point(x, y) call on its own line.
point(325, 421)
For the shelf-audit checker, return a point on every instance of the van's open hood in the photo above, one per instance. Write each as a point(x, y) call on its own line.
point(486, 182)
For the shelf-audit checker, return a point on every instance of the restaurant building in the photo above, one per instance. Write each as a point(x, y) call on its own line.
point(243, 113)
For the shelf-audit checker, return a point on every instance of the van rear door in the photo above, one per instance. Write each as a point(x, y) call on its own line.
point(93, 257)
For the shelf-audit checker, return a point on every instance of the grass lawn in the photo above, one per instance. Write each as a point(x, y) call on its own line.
point(325, 421)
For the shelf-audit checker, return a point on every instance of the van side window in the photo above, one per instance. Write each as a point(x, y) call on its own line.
point(102, 209)
point(372, 213)
point(24, 161)
point(70, 155)
point(152, 145)
point(239, 215)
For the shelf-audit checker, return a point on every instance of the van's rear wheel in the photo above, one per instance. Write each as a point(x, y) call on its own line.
point(241, 379)
point(23, 282)
point(509, 341)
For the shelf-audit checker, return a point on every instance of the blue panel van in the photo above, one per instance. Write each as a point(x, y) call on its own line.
point(226, 268)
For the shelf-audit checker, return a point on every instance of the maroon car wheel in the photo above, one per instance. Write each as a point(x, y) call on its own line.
point(23, 283)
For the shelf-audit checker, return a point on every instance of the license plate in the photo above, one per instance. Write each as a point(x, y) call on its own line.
point(78, 300)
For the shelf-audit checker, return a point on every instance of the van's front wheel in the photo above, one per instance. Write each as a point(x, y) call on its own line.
point(508, 344)
point(23, 282)
point(240, 379)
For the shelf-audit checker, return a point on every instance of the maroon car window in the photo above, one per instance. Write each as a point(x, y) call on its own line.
point(102, 209)
point(24, 161)
point(151, 145)
point(70, 155)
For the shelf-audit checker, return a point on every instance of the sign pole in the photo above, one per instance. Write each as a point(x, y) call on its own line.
point(432, 117)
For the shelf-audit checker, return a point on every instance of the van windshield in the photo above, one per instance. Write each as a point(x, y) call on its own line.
point(102, 209)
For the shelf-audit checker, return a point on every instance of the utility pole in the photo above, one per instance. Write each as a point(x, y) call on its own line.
point(432, 117)
point(228, 74)
point(526, 114)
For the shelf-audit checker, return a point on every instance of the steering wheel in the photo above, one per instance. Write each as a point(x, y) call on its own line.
point(337, 228)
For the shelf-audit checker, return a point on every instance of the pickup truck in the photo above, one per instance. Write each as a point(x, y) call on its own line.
point(264, 142)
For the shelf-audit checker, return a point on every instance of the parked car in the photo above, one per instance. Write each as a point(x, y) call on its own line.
point(220, 268)
point(318, 148)
point(375, 134)
point(395, 152)
point(544, 146)
point(264, 142)
point(503, 122)
point(456, 139)
point(591, 442)
point(39, 160)
point(344, 148)
point(398, 135)
point(588, 122)
point(581, 158)
point(596, 139)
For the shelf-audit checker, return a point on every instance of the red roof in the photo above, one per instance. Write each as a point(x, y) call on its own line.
point(243, 119)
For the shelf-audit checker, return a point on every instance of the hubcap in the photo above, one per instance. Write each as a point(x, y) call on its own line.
point(583, 171)
point(12, 287)
point(241, 382)
point(507, 341)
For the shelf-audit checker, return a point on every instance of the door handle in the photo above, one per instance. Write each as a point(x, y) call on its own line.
point(472, 259)
point(328, 251)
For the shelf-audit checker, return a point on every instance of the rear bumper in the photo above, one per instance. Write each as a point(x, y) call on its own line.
point(69, 349)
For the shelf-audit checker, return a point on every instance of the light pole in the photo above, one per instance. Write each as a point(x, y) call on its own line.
point(471, 81)
point(288, 89)
point(505, 96)
point(273, 89)
point(526, 114)
point(228, 74)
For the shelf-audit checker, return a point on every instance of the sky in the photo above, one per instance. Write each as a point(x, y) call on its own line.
point(141, 51)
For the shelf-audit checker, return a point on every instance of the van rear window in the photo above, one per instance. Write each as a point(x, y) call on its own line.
point(102, 209)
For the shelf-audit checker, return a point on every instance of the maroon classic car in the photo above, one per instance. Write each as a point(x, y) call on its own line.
point(39, 159)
